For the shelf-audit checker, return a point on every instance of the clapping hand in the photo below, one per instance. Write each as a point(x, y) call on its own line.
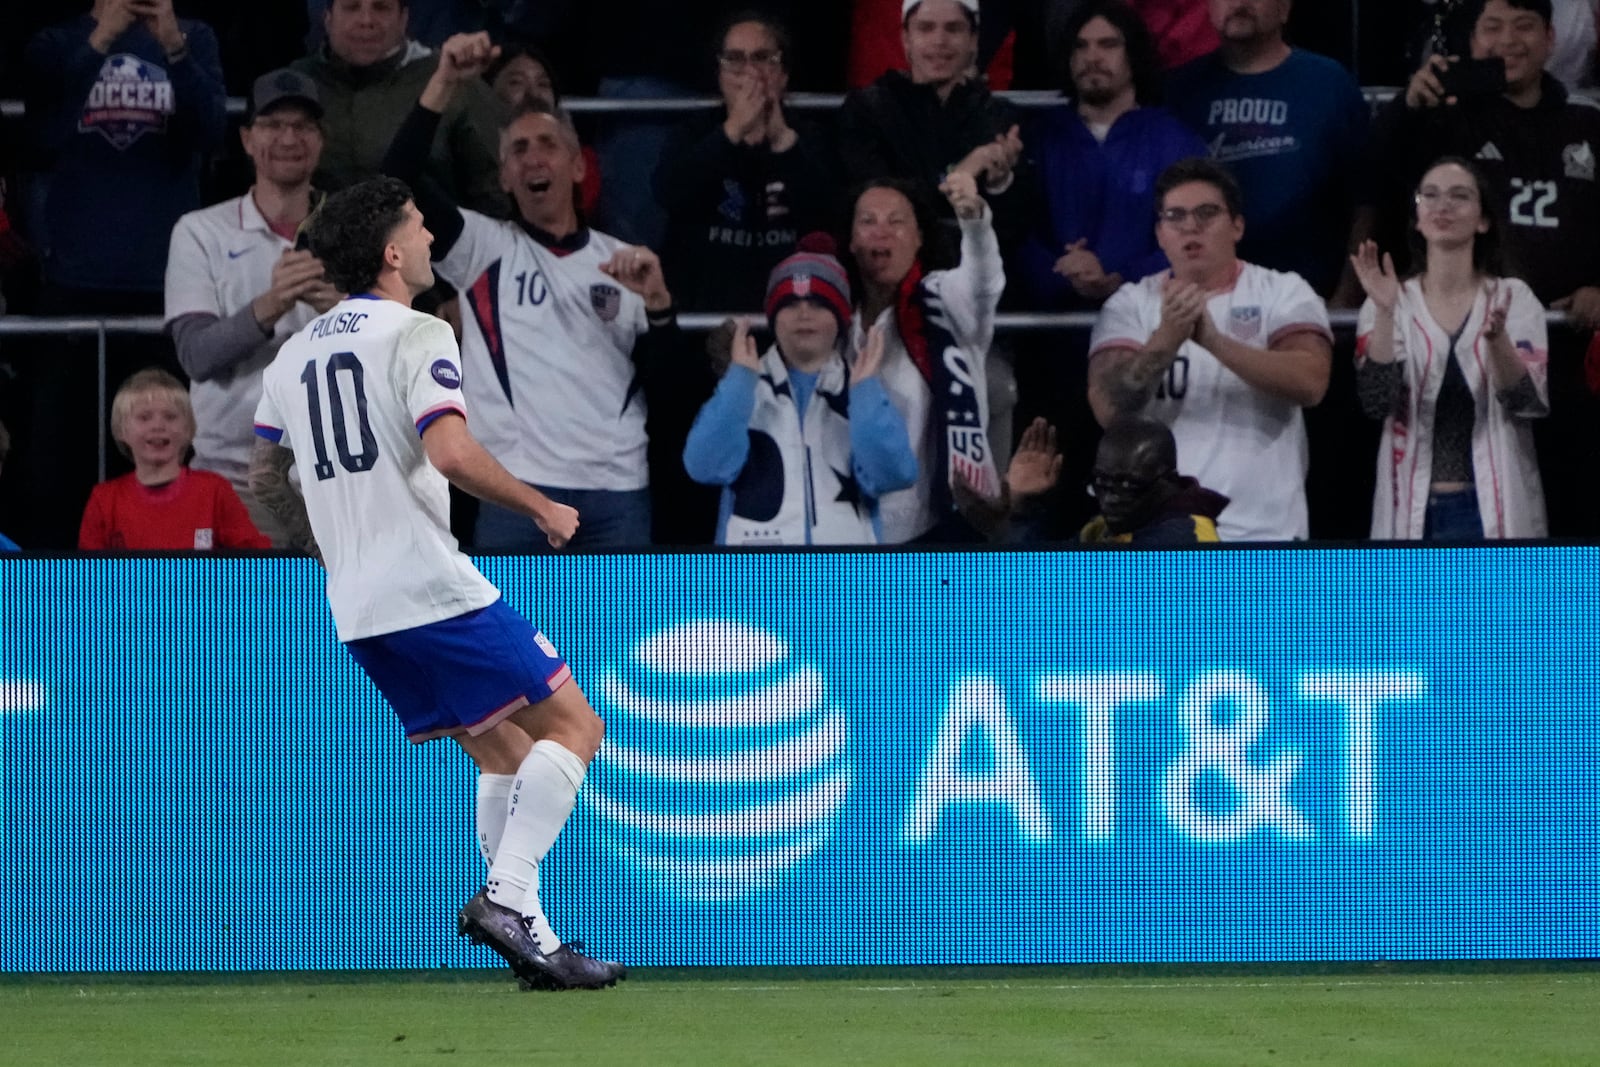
point(1182, 306)
point(743, 351)
point(1080, 266)
point(870, 359)
point(1036, 464)
point(1377, 278)
point(1494, 321)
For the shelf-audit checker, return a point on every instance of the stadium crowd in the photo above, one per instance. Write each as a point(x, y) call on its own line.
point(1209, 182)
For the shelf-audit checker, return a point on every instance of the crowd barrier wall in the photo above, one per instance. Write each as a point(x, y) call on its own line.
point(1216, 756)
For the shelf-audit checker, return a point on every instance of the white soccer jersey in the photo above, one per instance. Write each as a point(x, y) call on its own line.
point(1237, 439)
point(350, 394)
point(547, 343)
point(220, 259)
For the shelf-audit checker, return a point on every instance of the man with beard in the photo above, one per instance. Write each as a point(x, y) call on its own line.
point(1292, 126)
point(1098, 160)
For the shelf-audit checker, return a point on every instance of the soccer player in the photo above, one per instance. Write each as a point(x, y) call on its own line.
point(365, 402)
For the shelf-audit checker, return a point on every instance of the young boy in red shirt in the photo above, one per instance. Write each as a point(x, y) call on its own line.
point(162, 504)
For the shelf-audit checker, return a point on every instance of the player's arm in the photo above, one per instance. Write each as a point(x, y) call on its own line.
point(269, 481)
point(457, 455)
point(1295, 367)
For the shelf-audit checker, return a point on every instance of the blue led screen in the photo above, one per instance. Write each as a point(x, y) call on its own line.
point(828, 758)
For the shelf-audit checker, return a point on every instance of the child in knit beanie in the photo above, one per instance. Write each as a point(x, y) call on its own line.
point(803, 443)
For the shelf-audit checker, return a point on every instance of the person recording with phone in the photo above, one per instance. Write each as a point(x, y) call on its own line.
point(1536, 147)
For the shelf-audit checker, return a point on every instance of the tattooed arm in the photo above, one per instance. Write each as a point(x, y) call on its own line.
point(269, 481)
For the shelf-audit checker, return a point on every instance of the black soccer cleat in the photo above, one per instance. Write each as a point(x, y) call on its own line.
point(568, 968)
point(483, 922)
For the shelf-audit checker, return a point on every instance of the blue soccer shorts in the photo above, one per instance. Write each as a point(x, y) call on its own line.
point(464, 674)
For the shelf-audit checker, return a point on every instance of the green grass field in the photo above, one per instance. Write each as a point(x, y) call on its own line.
point(1511, 1016)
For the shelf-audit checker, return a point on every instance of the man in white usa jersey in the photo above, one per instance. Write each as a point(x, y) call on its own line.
point(1225, 352)
point(563, 327)
point(365, 402)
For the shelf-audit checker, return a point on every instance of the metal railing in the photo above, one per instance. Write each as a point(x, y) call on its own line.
point(1376, 96)
point(149, 325)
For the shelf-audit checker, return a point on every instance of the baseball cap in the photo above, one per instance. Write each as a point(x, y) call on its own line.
point(907, 6)
point(277, 86)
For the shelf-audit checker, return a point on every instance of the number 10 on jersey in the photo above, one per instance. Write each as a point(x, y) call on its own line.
point(351, 460)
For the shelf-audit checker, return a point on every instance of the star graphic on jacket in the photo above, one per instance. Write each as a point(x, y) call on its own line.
point(779, 388)
point(839, 402)
point(849, 488)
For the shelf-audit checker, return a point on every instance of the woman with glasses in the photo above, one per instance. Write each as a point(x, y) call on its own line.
point(740, 185)
point(1453, 360)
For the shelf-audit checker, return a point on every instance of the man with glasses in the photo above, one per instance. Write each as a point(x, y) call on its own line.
point(742, 184)
point(1225, 352)
point(237, 286)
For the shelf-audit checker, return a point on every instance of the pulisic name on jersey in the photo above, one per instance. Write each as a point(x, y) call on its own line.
point(344, 322)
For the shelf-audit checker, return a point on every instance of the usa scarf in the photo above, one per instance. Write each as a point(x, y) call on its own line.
point(930, 342)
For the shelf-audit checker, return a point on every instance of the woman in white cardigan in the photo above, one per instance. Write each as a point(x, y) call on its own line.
point(1454, 361)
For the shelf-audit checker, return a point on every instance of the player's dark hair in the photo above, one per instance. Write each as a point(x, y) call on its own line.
point(352, 228)
point(1143, 61)
point(939, 251)
point(1543, 8)
point(1200, 169)
point(1488, 257)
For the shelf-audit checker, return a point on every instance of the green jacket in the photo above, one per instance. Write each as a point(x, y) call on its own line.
point(364, 106)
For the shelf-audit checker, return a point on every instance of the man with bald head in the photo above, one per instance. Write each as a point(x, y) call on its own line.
point(1143, 499)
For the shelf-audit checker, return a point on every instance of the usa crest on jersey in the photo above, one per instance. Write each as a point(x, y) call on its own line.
point(1246, 322)
point(606, 301)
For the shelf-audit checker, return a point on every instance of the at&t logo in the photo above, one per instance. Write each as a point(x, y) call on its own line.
point(725, 764)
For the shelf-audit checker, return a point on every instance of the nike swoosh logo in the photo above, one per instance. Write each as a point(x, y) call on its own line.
point(236, 255)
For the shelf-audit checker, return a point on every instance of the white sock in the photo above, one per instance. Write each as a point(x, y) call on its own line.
point(542, 798)
point(493, 791)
